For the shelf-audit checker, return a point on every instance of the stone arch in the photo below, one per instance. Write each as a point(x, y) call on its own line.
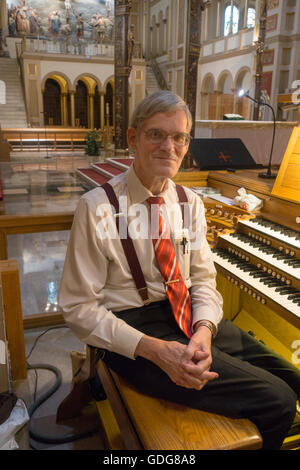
point(61, 78)
point(52, 101)
point(208, 97)
point(110, 80)
point(225, 81)
point(208, 83)
point(90, 80)
point(226, 98)
point(242, 80)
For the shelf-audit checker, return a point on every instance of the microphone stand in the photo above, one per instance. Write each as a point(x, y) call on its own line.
point(268, 174)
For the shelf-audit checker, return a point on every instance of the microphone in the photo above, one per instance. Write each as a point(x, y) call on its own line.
point(268, 174)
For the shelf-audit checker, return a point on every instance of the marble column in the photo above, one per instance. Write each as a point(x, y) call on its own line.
point(192, 55)
point(260, 47)
point(102, 111)
point(91, 120)
point(122, 72)
point(72, 107)
point(64, 110)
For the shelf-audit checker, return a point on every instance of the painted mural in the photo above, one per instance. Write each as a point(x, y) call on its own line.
point(73, 20)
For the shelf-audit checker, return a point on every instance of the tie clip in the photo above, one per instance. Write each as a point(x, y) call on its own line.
point(171, 282)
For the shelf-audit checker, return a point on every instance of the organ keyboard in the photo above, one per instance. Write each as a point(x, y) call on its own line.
point(258, 265)
point(258, 261)
point(253, 263)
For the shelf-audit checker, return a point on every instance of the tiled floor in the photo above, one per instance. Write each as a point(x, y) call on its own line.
point(36, 184)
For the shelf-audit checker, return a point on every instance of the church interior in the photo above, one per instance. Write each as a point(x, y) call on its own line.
point(71, 73)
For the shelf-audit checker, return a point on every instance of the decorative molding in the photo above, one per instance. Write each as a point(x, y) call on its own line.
point(266, 82)
point(272, 23)
point(273, 4)
point(226, 55)
point(268, 57)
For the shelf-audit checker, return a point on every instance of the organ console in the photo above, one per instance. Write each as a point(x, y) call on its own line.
point(258, 265)
point(222, 219)
point(263, 259)
point(261, 254)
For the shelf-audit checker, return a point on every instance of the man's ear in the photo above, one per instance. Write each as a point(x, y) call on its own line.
point(131, 137)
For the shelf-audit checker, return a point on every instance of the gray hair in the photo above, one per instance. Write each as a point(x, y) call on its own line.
point(161, 101)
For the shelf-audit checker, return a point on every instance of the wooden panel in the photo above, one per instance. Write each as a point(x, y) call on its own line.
point(268, 325)
point(191, 178)
point(296, 148)
point(163, 425)
point(130, 438)
point(282, 211)
point(287, 184)
point(229, 183)
point(12, 308)
point(264, 327)
point(110, 425)
point(231, 296)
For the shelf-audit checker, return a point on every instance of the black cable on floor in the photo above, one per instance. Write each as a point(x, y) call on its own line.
point(38, 402)
point(43, 437)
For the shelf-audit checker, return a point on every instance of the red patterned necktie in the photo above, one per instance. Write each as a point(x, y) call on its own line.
point(176, 289)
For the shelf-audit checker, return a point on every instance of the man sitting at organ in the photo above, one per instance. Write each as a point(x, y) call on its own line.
point(139, 284)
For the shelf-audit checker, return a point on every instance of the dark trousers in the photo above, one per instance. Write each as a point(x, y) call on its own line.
point(253, 383)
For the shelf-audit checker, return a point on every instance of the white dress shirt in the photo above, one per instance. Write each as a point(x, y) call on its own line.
point(97, 281)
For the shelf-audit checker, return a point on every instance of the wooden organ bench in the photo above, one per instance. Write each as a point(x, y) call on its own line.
point(135, 421)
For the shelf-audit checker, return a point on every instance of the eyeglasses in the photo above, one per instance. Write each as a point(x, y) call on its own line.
point(158, 136)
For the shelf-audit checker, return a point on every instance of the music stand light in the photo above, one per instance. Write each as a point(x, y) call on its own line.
point(268, 174)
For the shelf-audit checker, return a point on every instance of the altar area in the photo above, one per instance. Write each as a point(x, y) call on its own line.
point(256, 135)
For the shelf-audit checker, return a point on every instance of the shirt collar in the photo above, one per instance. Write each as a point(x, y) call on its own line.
point(138, 193)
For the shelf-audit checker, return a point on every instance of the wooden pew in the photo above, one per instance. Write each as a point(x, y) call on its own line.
point(134, 421)
point(50, 138)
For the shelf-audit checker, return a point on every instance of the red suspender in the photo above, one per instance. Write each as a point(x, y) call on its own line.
point(182, 201)
point(127, 243)
point(128, 247)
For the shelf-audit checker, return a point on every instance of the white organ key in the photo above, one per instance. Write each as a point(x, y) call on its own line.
point(268, 258)
point(257, 284)
point(254, 224)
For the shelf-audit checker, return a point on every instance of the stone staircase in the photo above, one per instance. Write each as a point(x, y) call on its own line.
point(12, 113)
point(151, 82)
point(99, 173)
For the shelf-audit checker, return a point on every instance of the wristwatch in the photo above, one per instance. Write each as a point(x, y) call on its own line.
point(208, 325)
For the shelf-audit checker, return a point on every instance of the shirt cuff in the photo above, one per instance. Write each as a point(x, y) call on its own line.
point(206, 314)
point(126, 341)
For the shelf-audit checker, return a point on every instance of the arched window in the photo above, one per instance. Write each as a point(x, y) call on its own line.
point(81, 105)
point(231, 20)
point(52, 103)
point(251, 18)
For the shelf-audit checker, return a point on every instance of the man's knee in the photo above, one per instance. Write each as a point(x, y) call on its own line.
point(283, 400)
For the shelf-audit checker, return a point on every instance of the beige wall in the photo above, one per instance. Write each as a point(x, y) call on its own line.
point(38, 67)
